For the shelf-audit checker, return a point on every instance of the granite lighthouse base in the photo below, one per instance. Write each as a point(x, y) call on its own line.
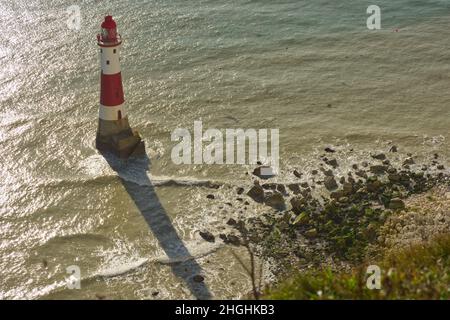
point(118, 138)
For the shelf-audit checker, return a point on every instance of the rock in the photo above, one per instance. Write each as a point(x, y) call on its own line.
point(361, 173)
point(347, 188)
point(208, 236)
point(408, 161)
point(328, 173)
point(343, 199)
point(336, 194)
point(294, 187)
point(314, 172)
point(391, 170)
point(231, 222)
point(304, 185)
point(275, 200)
point(329, 150)
point(198, 278)
point(232, 239)
point(386, 162)
point(298, 204)
point(394, 177)
point(311, 233)
point(240, 190)
point(378, 169)
point(297, 174)
point(396, 204)
point(393, 149)
point(440, 167)
point(282, 189)
point(332, 162)
point(342, 180)
point(210, 196)
point(263, 172)
point(155, 293)
point(436, 156)
point(379, 156)
point(365, 164)
point(374, 185)
point(269, 186)
point(256, 193)
point(355, 166)
point(330, 183)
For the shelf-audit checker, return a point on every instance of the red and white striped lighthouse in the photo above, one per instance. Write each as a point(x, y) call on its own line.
point(114, 133)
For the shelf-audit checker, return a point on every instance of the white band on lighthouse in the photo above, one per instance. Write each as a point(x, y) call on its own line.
point(112, 113)
point(109, 57)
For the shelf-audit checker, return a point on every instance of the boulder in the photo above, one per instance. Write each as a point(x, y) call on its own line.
point(208, 236)
point(379, 156)
point(232, 239)
point(256, 193)
point(298, 204)
point(294, 187)
point(297, 174)
point(378, 169)
point(396, 204)
point(408, 161)
point(330, 183)
point(332, 162)
point(347, 188)
point(275, 200)
point(282, 189)
point(393, 149)
point(264, 172)
point(198, 278)
point(374, 185)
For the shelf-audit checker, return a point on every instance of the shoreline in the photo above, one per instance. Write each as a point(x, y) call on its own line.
point(339, 222)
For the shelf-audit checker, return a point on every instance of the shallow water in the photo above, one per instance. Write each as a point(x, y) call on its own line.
point(308, 68)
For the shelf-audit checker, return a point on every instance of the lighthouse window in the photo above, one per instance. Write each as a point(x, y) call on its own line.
point(114, 51)
point(107, 61)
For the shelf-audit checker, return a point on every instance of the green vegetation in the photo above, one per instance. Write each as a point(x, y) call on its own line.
point(418, 272)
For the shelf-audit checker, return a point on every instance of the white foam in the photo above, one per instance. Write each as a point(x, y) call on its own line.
point(122, 268)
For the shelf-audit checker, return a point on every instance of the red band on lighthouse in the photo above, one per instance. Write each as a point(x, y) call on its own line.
point(111, 92)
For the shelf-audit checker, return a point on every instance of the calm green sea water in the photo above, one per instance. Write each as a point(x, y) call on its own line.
point(311, 69)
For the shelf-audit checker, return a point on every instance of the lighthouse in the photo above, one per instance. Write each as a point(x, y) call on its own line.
point(114, 133)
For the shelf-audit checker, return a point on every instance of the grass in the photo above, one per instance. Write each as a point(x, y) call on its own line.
point(417, 272)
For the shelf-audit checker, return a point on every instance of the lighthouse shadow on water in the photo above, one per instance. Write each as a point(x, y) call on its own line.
point(144, 196)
